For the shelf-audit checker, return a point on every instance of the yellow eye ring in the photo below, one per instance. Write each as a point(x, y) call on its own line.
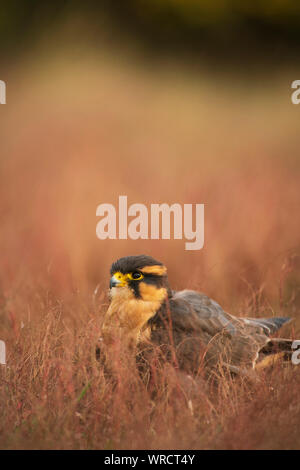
point(135, 276)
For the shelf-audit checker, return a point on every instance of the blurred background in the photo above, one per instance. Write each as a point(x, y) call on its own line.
point(162, 101)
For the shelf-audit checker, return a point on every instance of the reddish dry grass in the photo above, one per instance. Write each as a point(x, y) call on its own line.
point(75, 136)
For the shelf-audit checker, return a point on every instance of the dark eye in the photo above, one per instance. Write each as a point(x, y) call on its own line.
point(136, 275)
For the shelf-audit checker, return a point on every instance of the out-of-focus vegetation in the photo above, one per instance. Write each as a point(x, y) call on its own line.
point(81, 130)
point(192, 26)
point(84, 123)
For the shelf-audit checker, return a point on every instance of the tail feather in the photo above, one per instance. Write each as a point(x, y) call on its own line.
point(278, 344)
point(276, 348)
point(269, 325)
point(270, 360)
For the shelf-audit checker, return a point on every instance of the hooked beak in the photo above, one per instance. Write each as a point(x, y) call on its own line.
point(118, 280)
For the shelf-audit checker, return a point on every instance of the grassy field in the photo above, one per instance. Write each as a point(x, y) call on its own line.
point(79, 130)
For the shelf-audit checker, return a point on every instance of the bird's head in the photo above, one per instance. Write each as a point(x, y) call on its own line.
point(138, 289)
point(140, 277)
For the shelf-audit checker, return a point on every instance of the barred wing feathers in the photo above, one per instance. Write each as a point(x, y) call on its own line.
point(228, 339)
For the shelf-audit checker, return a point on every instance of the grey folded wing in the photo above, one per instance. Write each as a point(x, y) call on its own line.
point(269, 325)
point(208, 314)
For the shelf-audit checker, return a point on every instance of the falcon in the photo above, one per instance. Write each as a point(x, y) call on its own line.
point(187, 326)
